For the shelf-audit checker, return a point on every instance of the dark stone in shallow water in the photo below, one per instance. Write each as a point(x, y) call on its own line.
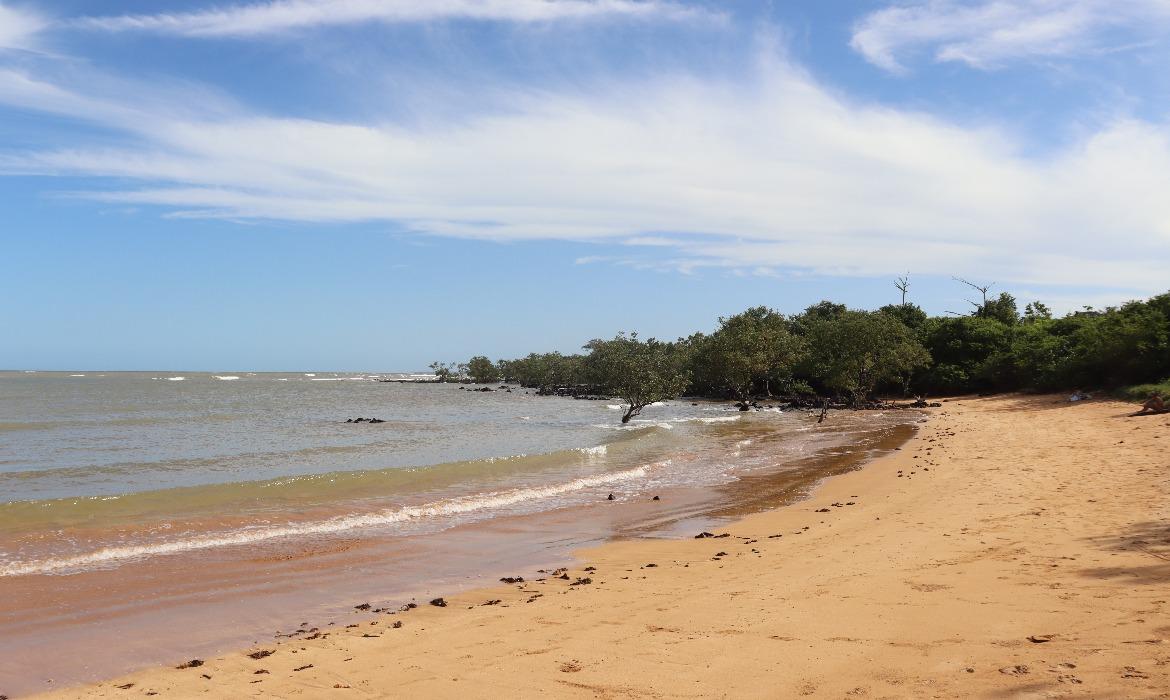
point(611, 498)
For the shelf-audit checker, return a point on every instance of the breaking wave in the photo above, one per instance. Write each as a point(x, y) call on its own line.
point(451, 507)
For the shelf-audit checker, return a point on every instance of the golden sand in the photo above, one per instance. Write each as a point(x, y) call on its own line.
point(1016, 547)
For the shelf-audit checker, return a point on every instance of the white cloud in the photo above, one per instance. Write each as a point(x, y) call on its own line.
point(287, 15)
point(19, 28)
point(772, 173)
point(989, 33)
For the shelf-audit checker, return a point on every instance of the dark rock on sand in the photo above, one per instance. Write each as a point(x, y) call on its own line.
point(397, 624)
point(703, 535)
point(611, 498)
point(363, 606)
point(656, 498)
point(261, 653)
point(513, 579)
point(193, 663)
point(439, 603)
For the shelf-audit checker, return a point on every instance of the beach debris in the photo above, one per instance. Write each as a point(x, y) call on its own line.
point(1040, 638)
point(822, 510)
point(493, 601)
point(261, 653)
point(1017, 670)
point(1131, 672)
point(126, 686)
point(363, 606)
point(570, 666)
point(408, 606)
point(206, 676)
point(703, 535)
point(582, 582)
point(772, 537)
point(340, 685)
point(397, 624)
point(302, 668)
point(720, 554)
point(512, 579)
point(611, 498)
point(439, 603)
point(564, 576)
point(591, 568)
point(261, 671)
point(193, 663)
point(722, 535)
point(650, 566)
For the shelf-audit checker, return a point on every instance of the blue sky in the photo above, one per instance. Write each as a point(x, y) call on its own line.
point(373, 185)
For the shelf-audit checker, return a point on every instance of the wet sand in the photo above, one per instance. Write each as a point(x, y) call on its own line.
point(1015, 547)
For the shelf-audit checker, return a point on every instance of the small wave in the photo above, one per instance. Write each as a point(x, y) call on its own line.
point(454, 506)
point(614, 406)
point(598, 451)
point(175, 379)
point(310, 375)
point(77, 375)
point(226, 378)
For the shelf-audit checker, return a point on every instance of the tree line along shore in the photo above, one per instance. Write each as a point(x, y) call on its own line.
point(830, 353)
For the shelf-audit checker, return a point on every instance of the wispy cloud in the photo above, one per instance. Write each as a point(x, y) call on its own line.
point(990, 33)
point(19, 28)
point(775, 172)
point(281, 16)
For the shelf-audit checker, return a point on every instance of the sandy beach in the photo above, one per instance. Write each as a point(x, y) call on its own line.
point(1015, 547)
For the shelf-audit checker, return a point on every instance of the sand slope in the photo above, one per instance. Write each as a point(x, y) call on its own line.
point(1014, 518)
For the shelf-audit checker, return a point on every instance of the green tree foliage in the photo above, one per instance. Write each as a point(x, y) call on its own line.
point(639, 371)
point(857, 350)
point(751, 351)
point(911, 315)
point(856, 353)
point(442, 371)
point(545, 370)
point(482, 370)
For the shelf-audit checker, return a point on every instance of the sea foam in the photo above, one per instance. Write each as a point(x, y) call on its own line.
point(250, 535)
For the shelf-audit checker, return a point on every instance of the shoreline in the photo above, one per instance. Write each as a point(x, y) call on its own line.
point(208, 602)
point(952, 567)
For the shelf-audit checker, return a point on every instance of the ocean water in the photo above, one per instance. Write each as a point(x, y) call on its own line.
point(222, 496)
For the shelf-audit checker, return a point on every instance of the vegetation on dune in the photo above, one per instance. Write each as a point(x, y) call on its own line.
point(830, 350)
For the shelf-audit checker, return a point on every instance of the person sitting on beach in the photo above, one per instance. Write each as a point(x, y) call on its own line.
point(1154, 404)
